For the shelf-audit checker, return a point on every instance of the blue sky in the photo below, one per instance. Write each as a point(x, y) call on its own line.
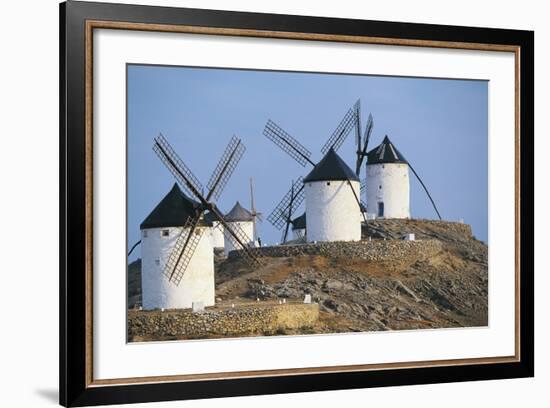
point(439, 125)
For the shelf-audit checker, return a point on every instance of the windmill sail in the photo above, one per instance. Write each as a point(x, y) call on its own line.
point(362, 192)
point(257, 216)
point(357, 107)
point(188, 181)
point(360, 205)
point(342, 130)
point(284, 235)
point(362, 150)
point(289, 215)
point(183, 251)
point(239, 239)
point(189, 239)
point(287, 143)
point(288, 204)
point(225, 168)
point(281, 216)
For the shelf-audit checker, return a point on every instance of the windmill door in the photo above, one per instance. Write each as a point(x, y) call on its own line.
point(381, 209)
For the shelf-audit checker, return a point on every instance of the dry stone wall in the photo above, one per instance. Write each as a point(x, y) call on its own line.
point(241, 320)
point(375, 250)
point(423, 229)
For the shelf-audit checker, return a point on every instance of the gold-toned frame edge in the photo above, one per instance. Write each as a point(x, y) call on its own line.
point(97, 24)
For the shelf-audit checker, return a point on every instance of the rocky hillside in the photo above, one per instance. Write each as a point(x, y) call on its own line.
point(422, 289)
point(387, 284)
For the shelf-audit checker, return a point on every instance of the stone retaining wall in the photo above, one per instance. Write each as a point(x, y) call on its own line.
point(424, 229)
point(375, 250)
point(241, 320)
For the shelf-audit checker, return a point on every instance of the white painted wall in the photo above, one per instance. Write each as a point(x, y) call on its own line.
point(332, 212)
point(247, 227)
point(388, 183)
point(197, 284)
point(217, 235)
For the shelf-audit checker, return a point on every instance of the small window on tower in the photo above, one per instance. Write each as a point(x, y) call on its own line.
point(165, 233)
point(157, 262)
point(380, 187)
point(328, 183)
point(144, 234)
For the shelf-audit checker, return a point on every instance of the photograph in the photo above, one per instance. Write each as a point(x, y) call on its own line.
point(272, 203)
point(258, 202)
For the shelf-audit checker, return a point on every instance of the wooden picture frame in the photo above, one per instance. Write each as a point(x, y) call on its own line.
point(78, 20)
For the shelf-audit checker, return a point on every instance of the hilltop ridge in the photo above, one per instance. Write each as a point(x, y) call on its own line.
point(428, 286)
point(381, 283)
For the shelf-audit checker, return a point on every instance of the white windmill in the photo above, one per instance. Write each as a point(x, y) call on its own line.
point(239, 217)
point(177, 255)
point(159, 232)
point(332, 204)
point(331, 190)
point(387, 183)
point(217, 230)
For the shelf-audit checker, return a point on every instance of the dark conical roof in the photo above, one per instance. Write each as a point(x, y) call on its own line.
point(299, 222)
point(386, 152)
point(331, 167)
point(239, 213)
point(172, 211)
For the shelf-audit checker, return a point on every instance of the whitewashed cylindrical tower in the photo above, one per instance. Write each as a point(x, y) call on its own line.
point(217, 235)
point(243, 219)
point(388, 189)
point(299, 227)
point(159, 232)
point(332, 191)
point(217, 230)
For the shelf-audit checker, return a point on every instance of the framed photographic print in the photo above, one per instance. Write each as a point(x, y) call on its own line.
point(255, 203)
